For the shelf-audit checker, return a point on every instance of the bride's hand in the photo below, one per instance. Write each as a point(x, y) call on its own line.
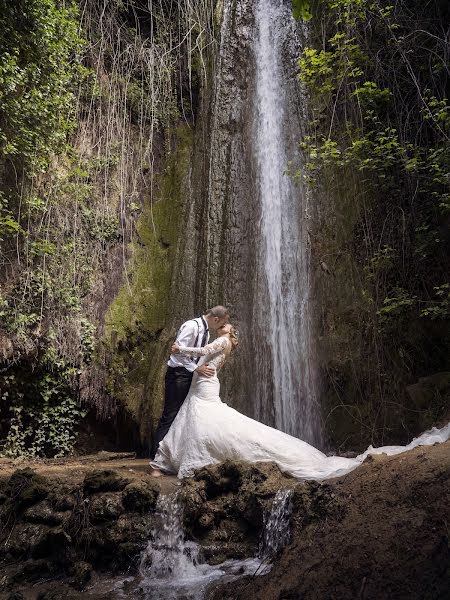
point(175, 349)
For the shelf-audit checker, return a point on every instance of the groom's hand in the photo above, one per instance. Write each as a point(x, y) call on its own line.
point(205, 370)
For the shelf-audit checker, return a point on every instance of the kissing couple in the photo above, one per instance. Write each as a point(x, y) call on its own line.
point(198, 429)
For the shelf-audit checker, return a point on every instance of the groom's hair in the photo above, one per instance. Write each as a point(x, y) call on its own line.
point(218, 311)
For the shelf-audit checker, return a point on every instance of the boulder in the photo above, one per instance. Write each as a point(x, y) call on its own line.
point(140, 496)
point(105, 507)
point(25, 488)
point(43, 513)
point(103, 481)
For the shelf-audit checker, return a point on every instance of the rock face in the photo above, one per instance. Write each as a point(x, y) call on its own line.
point(379, 533)
point(50, 527)
point(222, 258)
point(225, 506)
point(58, 528)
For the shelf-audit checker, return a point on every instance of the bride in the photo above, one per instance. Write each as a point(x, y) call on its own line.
point(207, 431)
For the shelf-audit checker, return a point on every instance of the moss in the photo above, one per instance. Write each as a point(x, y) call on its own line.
point(138, 323)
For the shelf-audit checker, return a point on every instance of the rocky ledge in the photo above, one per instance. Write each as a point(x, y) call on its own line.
point(58, 533)
point(380, 532)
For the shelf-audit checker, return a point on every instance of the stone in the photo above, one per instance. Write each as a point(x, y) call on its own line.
point(43, 513)
point(424, 392)
point(26, 488)
point(103, 481)
point(105, 507)
point(140, 497)
point(53, 543)
point(23, 538)
point(81, 575)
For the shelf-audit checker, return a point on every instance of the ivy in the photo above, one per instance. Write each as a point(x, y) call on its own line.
point(39, 74)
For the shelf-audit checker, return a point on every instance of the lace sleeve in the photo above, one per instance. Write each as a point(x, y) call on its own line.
point(213, 348)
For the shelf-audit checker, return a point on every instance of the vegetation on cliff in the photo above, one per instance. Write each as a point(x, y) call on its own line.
point(378, 150)
point(89, 95)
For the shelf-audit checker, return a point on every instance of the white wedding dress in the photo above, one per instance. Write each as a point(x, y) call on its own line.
point(207, 431)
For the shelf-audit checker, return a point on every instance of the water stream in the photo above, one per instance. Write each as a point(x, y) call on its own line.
point(172, 567)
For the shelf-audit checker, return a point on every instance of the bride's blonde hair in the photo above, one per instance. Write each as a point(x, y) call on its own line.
point(234, 337)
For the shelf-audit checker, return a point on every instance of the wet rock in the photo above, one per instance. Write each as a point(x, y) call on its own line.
point(313, 501)
point(81, 573)
point(103, 481)
point(63, 499)
point(214, 554)
point(55, 594)
point(105, 507)
point(16, 596)
point(25, 488)
point(22, 539)
point(140, 497)
point(225, 506)
point(43, 513)
point(53, 543)
point(30, 571)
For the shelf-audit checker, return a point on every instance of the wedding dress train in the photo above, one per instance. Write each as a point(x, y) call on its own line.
point(208, 431)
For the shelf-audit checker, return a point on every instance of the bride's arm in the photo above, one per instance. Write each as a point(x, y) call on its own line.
point(212, 348)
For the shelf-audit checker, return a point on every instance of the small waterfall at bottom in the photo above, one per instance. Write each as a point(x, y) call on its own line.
point(171, 567)
point(277, 525)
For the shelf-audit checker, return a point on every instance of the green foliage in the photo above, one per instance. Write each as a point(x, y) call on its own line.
point(39, 73)
point(301, 8)
point(44, 415)
point(395, 308)
point(440, 308)
point(355, 102)
point(77, 151)
point(378, 145)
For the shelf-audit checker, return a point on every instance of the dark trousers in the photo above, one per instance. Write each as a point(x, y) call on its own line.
point(177, 384)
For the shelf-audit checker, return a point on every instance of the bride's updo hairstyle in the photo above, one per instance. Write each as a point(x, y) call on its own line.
point(234, 336)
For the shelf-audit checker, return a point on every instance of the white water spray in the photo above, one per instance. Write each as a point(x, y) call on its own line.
point(276, 531)
point(284, 306)
point(171, 567)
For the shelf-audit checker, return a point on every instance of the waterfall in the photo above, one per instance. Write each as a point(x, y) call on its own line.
point(248, 222)
point(283, 305)
point(171, 567)
point(277, 524)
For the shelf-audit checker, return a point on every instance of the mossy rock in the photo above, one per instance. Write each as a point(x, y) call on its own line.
point(105, 507)
point(140, 497)
point(25, 488)
point(103, 481)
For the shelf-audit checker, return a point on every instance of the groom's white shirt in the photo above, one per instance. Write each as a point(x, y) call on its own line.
point(187, 334)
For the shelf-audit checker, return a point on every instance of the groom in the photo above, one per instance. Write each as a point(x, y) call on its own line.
point(180, 368)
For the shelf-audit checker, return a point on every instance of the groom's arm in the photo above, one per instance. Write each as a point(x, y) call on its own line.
point(186, 335)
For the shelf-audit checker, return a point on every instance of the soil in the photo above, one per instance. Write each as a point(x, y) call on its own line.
point(73, 470)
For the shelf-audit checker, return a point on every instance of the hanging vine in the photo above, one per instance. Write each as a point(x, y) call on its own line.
point(89, 91)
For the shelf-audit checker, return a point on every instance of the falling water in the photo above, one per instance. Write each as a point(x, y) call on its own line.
point(277, 524)
point(171, 567)
point(284, 302)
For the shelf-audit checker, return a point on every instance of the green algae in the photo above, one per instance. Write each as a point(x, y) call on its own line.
point(138, 329)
